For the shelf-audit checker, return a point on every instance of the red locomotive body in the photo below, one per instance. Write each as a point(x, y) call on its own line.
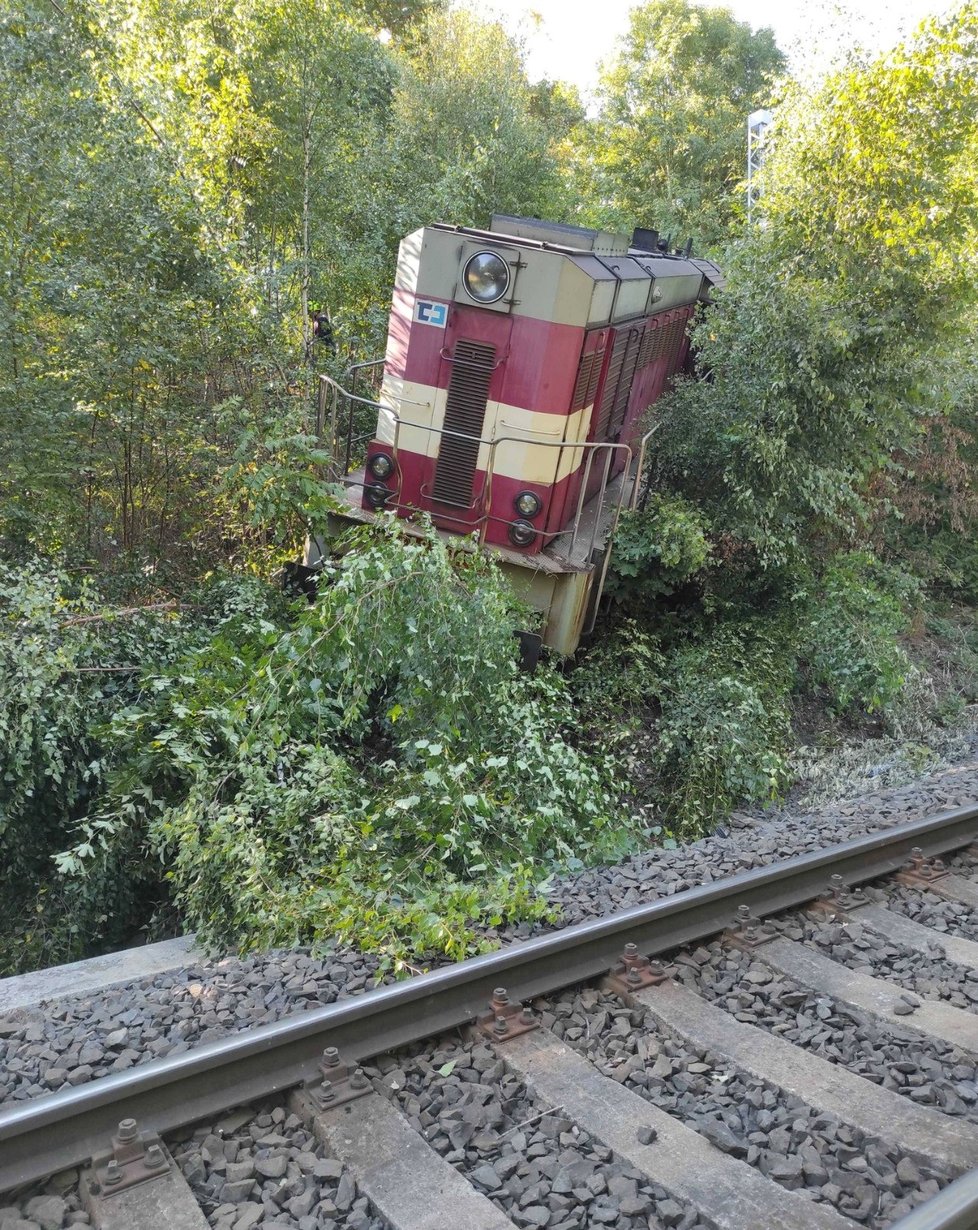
point(519, 363)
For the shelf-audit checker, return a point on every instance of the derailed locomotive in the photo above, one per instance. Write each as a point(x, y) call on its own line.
point(520, 361)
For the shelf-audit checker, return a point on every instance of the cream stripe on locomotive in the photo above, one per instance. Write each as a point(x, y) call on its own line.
point(423, 407)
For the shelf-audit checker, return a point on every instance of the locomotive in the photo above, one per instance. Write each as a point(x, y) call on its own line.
point(520, 362)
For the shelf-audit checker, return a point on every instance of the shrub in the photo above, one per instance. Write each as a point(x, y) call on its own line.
point(725, 725)
point(376, 768)
point(657, 549)
point(67, 661)
point(849, 638)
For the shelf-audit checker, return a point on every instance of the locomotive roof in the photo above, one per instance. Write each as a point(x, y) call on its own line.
point(617, 245)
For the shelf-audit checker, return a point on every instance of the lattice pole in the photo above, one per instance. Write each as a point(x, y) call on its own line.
point(758, 122)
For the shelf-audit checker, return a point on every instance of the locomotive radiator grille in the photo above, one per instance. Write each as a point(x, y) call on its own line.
point(595, 376)
point(624, 391)
point(588, 375)
point(465, 413)
point(578, 401)
point(611, 386)
point(658, 346)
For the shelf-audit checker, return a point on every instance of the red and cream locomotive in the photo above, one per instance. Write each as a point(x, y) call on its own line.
point(520, 361)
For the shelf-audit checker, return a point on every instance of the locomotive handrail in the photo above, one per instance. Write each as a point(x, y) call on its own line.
point(331, 389)
point(643, 445)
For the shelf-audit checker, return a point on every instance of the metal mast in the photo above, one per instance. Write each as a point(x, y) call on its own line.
point(758, 122)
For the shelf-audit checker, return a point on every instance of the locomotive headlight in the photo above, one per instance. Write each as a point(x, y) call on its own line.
point(485, 277)
point(528, 503)
point(380, 465)
point(521, 533)
point(377, 495)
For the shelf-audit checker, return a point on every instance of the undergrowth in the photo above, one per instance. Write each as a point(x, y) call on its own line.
point(373, 768)
point(704, 697)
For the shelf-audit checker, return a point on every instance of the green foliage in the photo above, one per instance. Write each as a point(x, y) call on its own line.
point(272, 490)
point(181, 182)
point(658, 549)
point(849, 639)
point(67, 662)
point(839, 336)
point(724, 728)
point(668, 146)
point(378, 763)
point(708, 714)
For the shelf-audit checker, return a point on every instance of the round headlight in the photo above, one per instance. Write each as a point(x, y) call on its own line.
point(528, 503)
point(377, 495)
point(521, 533)
point(485, 277)
point(380, 465)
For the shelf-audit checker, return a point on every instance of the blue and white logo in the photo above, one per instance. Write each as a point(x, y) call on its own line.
point(428, 313)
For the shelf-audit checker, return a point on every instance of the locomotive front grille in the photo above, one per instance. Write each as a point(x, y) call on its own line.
point(465, 414)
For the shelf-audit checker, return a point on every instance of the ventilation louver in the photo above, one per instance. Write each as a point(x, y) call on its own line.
point(465, 414)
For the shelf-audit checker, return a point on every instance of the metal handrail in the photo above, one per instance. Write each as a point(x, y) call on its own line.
point(643, 445)
point(330, 387)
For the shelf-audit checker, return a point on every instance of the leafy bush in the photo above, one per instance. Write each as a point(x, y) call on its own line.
point(658, 548)
point(706, 716)
point(725, 724)
point(849, 638)
point(67, 661)
point(374, 768)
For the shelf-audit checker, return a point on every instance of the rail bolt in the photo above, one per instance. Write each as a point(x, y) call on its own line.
point(331, 1057)
point(128, 1130)
point(154, 1158)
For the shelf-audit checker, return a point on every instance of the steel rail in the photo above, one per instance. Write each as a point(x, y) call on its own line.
point(40, 1136)
point(955, 1208)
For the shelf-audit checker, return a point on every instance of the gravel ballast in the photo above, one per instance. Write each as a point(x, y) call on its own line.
point(868, 952)
point(76, 1039)
point(950, 917)
point(267, 1169)
point(82, 1038)
point(780, 1135)
point(54, 1205)
point(928, 1072)
point(538, 1166)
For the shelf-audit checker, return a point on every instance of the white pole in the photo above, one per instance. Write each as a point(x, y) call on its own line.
point(758, 123)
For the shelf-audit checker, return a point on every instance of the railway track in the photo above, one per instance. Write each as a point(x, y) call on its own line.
point(602, 1106)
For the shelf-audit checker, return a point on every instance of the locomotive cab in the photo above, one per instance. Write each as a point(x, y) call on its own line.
point(519, 363)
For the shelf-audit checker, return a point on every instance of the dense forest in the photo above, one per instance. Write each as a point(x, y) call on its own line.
point(184, 187)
